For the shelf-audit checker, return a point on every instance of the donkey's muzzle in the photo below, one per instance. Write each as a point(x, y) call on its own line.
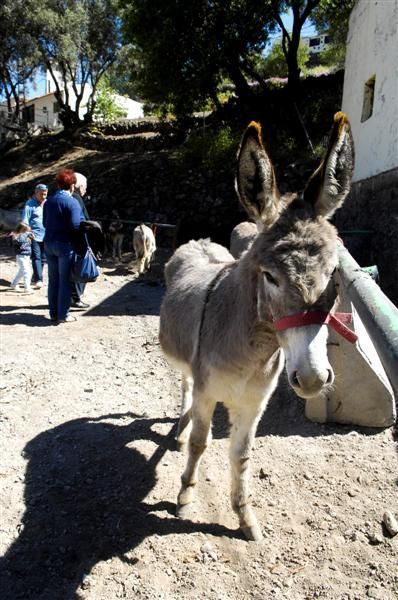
point(312, 383)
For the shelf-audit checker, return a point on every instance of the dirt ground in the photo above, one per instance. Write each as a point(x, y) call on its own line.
point(90, 475)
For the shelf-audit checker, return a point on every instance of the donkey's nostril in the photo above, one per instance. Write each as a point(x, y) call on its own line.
point(312, 382)
point(294, 379)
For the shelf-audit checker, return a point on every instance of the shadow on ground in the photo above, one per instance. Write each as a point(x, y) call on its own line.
point(285, 416)
point(137, 297)
point(84, 495)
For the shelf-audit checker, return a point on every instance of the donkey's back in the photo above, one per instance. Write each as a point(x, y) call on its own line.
point(188, 275)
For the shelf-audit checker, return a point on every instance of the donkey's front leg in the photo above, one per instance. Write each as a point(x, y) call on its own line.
point(185, 422)
point(244, 424)
point(202, 412)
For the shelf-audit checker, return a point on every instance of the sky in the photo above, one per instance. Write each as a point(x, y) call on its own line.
point(287, 19)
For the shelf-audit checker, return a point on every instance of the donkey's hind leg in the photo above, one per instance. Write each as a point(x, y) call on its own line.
point(243, 428)
point(185, 422)
point(202, 412)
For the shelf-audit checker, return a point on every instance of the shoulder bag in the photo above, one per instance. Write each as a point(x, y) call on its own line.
point(84, 268)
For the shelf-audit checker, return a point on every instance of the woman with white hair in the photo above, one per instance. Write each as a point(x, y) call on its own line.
point(77, 287)
point(80, 191)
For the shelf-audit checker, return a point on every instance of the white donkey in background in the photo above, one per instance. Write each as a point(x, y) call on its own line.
point(144, 247)
point(228, 325)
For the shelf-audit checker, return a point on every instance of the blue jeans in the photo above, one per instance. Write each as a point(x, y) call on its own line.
point(37, 260)
point(59, 261)
point(77, 290)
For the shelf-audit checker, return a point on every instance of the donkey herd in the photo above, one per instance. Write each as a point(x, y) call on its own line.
point(229, 322)
point(144, 243)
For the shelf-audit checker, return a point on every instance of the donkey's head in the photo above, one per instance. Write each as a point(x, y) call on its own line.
point(295, 254)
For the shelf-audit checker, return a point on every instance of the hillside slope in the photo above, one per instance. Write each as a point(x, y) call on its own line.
point(141, 181)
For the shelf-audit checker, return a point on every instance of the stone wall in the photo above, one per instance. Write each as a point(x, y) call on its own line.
point(372, 206)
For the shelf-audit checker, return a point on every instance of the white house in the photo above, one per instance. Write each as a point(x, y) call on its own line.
point(370, 96)
point(316, 43)
point(43, 111)
point(370, 99)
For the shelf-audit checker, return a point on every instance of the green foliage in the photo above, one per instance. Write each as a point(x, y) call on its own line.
point(76, 40)
point(185, 49)
point(19, 55)
point(106, 108)
point(333, 16)
point(334, 56)
point(79, 39)
point(122, 74)
point(213, 150)
point(275, 65)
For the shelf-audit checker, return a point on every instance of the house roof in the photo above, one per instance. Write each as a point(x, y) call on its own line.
point(28, 100)
point(38, 97)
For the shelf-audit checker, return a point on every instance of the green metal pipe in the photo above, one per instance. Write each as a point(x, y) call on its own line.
point(378, 314)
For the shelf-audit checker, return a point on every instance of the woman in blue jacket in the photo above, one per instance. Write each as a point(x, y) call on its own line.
point(62, 216)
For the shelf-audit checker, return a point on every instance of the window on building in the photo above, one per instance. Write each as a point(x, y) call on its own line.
point(314, 42)
point(327, 39)
point(55, 107)
point(368, 99)
point(28, 114)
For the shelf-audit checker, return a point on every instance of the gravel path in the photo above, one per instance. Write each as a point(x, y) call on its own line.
point(89, 474)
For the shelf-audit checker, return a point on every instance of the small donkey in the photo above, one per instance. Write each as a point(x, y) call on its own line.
point(228, 325)
point(144, 247)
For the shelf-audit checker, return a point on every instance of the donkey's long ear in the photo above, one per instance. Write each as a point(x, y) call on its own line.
point(255, 179)
point(331, 182)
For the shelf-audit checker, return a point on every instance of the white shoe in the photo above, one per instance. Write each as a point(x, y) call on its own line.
point(38, 285)
point(68, 319)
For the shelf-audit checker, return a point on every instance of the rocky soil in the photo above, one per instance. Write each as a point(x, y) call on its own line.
point(89, 471)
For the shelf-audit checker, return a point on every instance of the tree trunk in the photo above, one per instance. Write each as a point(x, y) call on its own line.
point(242, 88)
point(69, 118)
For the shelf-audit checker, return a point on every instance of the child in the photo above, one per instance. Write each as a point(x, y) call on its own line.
point(22, 238)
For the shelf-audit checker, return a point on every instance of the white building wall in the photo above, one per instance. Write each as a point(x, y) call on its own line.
point(84, 100)
point(45, 116)
point(316, 43)
point(133, 108)
point(372, 47)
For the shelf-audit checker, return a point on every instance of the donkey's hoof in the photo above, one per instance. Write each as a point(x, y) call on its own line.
point(183, 510)
point(186, 495)
point(252, 532)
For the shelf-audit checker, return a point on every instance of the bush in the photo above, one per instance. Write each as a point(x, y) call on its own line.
point(213, 150)
point(106, 107)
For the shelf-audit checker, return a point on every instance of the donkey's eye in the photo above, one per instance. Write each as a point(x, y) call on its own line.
point(270, 278)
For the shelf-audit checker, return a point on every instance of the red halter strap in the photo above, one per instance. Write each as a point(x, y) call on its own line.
point(334, 320)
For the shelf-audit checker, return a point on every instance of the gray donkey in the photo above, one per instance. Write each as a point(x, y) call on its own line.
point(229, 326)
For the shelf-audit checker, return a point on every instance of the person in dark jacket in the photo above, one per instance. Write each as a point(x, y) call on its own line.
point(78, 287)
point(62, 216)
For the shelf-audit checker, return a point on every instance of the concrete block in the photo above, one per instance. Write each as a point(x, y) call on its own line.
point(362, 394)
